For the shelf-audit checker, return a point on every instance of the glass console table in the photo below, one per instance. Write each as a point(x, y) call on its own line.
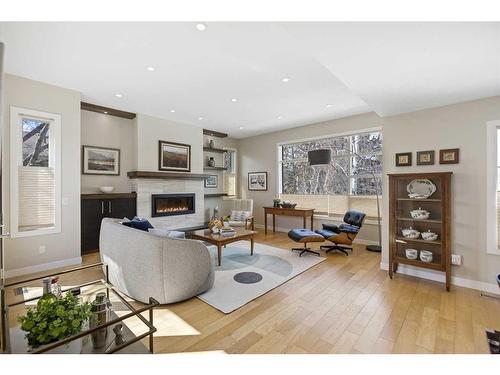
point(125, 318)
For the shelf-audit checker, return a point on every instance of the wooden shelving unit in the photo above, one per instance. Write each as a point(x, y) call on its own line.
point(212, 149)
point(439, 206)
point(214, 168)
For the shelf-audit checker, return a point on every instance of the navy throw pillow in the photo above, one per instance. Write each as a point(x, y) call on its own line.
point(136, 223)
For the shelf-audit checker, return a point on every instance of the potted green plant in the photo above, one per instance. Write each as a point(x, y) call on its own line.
point(276, 202)
point(54, 319)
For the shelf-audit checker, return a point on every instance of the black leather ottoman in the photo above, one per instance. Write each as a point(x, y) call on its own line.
point(305, 236)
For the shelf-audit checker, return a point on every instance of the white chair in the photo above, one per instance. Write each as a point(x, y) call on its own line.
point(242, 213)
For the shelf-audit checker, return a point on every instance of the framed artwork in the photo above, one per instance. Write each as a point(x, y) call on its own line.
point(449, 156)
point(425, 157)
point(212, 181)
point(174, 157)
point(403, 159)
point(100, 160)
point(257, 181)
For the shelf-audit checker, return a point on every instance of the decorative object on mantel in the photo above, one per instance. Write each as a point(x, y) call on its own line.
point(449, 156)
point(425, 157)
point(174, 156)
point(106, 189)
point(257, 181)
point(403, 159)
point(100, 160)
point(212, 181)
point(211, 162)
point(420, 214)
point(420, 188)
point(211, 144)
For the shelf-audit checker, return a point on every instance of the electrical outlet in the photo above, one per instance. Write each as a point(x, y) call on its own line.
point(456, 259)
point(42, 249)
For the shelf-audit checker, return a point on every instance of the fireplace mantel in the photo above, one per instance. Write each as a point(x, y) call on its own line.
point(167, 175)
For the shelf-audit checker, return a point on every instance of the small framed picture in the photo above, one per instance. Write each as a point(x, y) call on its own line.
point(257, 181)
point(425, 157)
point(100, 160)
point(174, 157)
point(449, 156)
point(212, 181)
point(403, 159)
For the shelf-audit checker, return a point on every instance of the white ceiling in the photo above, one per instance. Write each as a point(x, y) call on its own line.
point(388, 68)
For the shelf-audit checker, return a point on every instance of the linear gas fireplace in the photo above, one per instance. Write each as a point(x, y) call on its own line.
point(172, 204)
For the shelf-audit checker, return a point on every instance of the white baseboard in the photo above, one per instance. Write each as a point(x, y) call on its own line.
point(286, 230)
point(434, 276)
point(43, 267)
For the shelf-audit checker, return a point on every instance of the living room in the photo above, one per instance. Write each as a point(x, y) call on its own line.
point(243, 187)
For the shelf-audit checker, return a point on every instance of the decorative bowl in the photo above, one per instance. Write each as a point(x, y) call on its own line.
point(420, 188)
point(106, 189)
point(288, 205)
point(420, 214)
point(429, 236)
point(411, 254)
point(410, 233)
point(425, 256)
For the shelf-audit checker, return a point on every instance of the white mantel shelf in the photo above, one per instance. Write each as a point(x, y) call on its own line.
point(167, 175)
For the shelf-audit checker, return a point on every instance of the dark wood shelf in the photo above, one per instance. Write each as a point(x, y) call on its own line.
point(214, 133)
point(418, 240)
point(108, 196)
point(215, 168)
point(418, 200)
point(214, 195)
point(168, 175)
point(106, 110)
point(419, 263)
point(217, 150)
point(419, 220)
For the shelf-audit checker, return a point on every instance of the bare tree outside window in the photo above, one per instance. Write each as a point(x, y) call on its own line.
point(35, 143)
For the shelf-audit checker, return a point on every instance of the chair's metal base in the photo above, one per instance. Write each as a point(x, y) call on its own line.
point(342, 249)
point(305, 249)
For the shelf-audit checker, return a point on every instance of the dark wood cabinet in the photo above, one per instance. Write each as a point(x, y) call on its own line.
point(95, 207)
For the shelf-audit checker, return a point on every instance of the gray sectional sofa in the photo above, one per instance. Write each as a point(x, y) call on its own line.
point(142, 265)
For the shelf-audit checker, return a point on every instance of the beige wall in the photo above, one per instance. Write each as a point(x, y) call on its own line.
point(456, 126)
point(259, 154)
point(61, 248)
point(102, 130)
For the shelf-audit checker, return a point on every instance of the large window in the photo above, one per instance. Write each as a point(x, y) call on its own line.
point(351, 180)
point(35, 172)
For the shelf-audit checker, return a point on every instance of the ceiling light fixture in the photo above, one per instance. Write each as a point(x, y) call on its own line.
point(172, 111)
point(234, 100)
point(286, 79)
point(119, 95)
point(200, 118)
point(242, 127)
point(280, 117)
point(105, 112)
point(329, 105)
point(151, 68)
point(201, 27)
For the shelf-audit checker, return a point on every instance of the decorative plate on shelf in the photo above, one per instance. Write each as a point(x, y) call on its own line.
point(420, 188)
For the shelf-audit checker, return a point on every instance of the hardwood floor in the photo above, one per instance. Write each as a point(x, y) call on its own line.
point(342, 305)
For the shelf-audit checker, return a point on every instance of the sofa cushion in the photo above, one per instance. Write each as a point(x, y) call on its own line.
point(136, 223)
point(164, 232)
point(240, 215)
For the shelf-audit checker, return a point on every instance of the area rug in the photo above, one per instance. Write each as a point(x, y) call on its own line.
point(241, 278)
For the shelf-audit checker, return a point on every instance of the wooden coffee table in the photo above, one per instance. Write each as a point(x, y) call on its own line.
point(220, 240)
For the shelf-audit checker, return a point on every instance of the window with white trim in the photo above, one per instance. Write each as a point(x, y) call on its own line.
point(35, 161)
point(351, 180)
point(230, 174)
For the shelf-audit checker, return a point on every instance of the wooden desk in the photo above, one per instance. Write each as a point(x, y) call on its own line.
point(300, 212)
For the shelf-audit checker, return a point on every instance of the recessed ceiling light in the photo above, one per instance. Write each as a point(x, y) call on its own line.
point(200, 118)
point(105, 112)
point(242, 127)
point(151, 68)
point(172, 111)
point(119, 95)
point(329, 105)
point(280, 117)
point(286, 79)
point(201, 27)
point(234, 100)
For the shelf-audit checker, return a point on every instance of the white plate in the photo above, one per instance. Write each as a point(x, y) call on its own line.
point(420, 188)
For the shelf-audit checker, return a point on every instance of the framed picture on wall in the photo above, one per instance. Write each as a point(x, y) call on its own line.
point(212, 181)
point(425, 157)
point(257, 181)
point(449, 156)
point(174, 157)
point(100, 160)
point(403, 159)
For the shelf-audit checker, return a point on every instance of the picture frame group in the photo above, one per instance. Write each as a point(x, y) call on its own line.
point(446, 156)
